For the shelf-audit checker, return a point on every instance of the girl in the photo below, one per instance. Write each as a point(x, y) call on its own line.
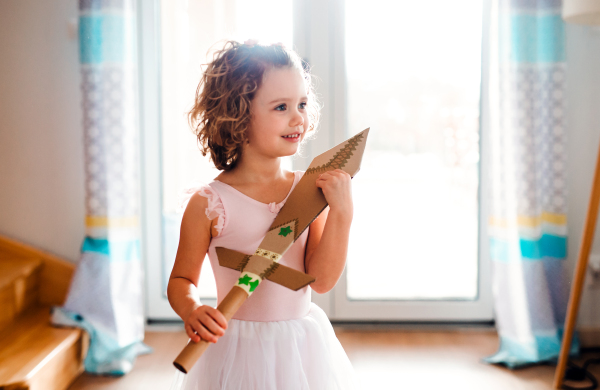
point(254, 105)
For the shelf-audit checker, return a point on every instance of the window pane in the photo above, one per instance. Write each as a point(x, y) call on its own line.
point(189, 28)
point(414, 77)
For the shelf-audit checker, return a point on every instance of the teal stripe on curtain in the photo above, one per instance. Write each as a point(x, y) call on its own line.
point(117, 251)
point(537, 39)
point(101, 39)
point(547, 246)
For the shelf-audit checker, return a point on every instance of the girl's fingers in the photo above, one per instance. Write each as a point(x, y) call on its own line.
point(204, 333)
point(335, 173)
point(323, 177)
point(191, 333)
point(333, 177)
point(212, 326)
point(218, 317)
point(206, 324)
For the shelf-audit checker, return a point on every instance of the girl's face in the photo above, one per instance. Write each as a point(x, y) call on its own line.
point(279, 115)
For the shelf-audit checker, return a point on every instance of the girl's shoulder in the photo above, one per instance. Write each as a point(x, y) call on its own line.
point(205, 196)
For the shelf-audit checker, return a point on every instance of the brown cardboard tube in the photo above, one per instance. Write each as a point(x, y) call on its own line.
point(192, 351)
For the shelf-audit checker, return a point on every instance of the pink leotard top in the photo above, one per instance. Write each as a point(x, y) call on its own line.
point(242, 224)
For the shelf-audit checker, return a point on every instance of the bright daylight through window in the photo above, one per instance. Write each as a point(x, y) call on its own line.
point(414, 70)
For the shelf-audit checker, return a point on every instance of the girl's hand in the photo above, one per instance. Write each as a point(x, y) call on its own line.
point(206, 323)
point(337, 188)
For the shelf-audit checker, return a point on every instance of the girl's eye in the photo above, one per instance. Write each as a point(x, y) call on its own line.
point(282, 107)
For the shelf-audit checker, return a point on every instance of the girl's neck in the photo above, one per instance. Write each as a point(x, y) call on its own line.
point(256, 170)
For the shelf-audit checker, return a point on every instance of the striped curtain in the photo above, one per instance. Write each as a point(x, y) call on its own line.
point(528, 224)
point(105, 296)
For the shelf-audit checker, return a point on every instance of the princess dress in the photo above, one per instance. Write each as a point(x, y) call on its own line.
point(278, 339)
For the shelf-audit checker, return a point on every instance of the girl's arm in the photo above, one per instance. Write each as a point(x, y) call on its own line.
point(182, 290)
point(328, 235)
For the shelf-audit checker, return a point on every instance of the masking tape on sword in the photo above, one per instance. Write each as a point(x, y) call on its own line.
point(248, 281)
point(267, 254)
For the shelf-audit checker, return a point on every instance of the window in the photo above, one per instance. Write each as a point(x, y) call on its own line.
point(409, 70)
point(413, 73)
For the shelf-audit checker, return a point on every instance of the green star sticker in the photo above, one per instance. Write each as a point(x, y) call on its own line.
point(285, 231)
point(245, 280)
point(253, 285)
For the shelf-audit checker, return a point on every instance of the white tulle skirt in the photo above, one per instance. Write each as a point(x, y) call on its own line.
point(299, 354)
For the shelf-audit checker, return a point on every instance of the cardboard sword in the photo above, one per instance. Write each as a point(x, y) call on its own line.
point(303, 206)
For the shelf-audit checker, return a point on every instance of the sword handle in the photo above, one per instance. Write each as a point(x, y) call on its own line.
point(192, 351)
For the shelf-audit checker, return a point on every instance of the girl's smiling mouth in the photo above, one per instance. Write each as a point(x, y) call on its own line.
point(292, 137)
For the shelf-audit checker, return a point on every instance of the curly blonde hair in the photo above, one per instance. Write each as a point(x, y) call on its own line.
point(221, 113)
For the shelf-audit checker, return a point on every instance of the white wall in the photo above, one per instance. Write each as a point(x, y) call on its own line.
point(583, 116)
point(41, 136)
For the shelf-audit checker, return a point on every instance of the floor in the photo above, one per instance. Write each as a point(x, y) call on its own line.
point(383, 359)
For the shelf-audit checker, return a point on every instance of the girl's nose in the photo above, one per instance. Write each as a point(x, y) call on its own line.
point(297, 120)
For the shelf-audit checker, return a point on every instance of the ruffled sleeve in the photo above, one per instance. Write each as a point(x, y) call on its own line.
point(215, 205)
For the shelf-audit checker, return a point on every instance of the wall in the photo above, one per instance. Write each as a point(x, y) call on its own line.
point(41, 136)
point(583, 118)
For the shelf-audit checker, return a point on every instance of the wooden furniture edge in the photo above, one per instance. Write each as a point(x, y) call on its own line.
point(56, 274)
point(53, 357)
